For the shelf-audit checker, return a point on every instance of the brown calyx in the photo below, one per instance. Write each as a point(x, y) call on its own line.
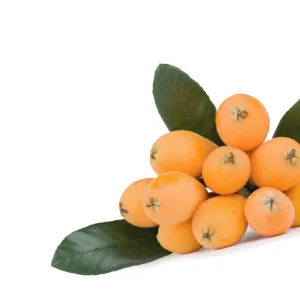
point(207, 234)
point(230, 159)
point(240, 114)
point(153, 204)
point(153, 153)
point(271, 204)
point(123, 209)
point(290, 155)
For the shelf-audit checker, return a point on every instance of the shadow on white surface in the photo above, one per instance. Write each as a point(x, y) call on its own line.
point(250, 240)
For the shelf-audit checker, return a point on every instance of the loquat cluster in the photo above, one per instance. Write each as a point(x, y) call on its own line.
point(195, 198)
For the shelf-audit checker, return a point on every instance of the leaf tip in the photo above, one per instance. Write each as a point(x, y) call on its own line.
point(55, 261)
point(162, 72)
point(163, 67)
point(58, 259)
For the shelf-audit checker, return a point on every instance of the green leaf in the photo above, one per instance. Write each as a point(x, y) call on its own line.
point(289, 125)
point(107, 247)
point(244, 191)
point(183, 104)
point(251, 186)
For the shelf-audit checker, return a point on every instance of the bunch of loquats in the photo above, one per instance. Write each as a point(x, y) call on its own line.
point(215, 176)
point(198, 197)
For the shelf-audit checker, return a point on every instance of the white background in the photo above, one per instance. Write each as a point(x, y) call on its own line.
point(77, 120)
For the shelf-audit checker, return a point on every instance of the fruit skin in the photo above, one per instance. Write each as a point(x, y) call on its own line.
point(172, 198)
point(269, 212)
point(226, 170)
point(182, 151)
point(220, 222)
point(178, 238)
point(276, 164)
point(131, 204)
point(294, 195)
point(242, 122)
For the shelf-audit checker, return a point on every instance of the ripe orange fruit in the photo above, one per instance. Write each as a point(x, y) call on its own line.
point(172, 198)
point(242, 122)
point(131, 204)
point(220, 222)
point(226, 170)
point(269, 212)
point(178, 238)
point(276, 163)
point(294, 195)
point(180, 150)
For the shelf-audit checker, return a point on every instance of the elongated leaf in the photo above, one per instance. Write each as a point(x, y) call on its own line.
point(106, 247)
point(183, 104)
point(289, 125)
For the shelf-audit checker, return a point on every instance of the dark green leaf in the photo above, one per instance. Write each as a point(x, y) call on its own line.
point(106, 247)
point(251, 186)
point(289, 125)
point(183, 104)
point(244, 191)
